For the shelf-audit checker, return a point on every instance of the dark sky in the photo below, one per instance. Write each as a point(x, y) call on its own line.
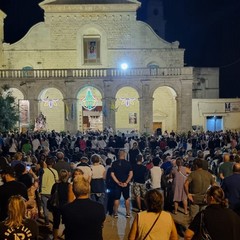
point(209, 30)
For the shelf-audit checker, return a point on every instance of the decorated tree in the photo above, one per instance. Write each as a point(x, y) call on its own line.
point(8, 110)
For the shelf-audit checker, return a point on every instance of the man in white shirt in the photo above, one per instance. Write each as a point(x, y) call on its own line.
point(49, 177)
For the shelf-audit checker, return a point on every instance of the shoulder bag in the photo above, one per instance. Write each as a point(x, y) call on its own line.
point(203, 233)
point(152, 226)
point(53, 201)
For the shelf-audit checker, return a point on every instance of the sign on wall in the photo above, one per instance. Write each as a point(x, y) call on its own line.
point(232, 107)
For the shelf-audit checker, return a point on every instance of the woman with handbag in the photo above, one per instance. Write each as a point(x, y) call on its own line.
point(216, 221)
point(154, 223)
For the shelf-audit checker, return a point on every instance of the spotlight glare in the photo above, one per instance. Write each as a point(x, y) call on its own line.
point(124, 66)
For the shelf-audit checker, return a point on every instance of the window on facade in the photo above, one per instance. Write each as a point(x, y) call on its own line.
point(91, 50)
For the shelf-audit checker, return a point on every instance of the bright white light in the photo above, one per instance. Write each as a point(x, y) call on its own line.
point(124, 66)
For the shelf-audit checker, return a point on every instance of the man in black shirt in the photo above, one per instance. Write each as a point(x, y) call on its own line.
point(10, 188)
point(122, 175)
point(140, 174)
point(83, 218)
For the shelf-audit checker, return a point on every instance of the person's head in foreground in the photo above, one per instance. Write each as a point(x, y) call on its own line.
point(16, 211)
point(81, 187)
point(154, 201)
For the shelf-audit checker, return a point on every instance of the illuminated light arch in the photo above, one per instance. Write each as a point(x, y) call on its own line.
point(89, 101)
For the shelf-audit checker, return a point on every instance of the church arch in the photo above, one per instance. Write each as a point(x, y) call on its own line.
point(127, 110)
point(23, 108)
point(51, 105)
point(89, 109)
point(165, 109)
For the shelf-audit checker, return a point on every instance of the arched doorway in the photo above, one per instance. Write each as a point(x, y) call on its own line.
point(127, 110)
point(164, 109)
point(23, 107)
point(51, 106)
point(89, 109)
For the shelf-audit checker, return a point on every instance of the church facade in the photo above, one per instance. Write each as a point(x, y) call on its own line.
point(92, 65)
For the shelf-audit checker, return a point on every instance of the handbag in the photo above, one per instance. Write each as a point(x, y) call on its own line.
point(53, 201)
point(203, 233)
point(152, 226)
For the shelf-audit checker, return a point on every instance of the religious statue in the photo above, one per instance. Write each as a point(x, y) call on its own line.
point(40, 122)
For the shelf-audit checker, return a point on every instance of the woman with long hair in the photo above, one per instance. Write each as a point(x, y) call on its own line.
point(154, 223)
point(17, 226)
point(220, 221)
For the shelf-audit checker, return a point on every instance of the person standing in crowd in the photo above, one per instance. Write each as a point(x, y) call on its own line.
point(220, 221)
point(13, 146)
point(76, 172)
point(109, 187)
point(18, 157)
point(225, 168)
point(89, 223)
point(133, 153)
point(85, 167)
point(155, 174)
point(196, 185)
point(179, 175)
point(140, 175)
point(61, 163)
point(49, 177)
point(16, 225)
point(35, 143)
point(98, 177)
point(231, 188)
point(62, 190)
point(153, 222)
point(200, 155)
point(9, 188)
point(122, 175)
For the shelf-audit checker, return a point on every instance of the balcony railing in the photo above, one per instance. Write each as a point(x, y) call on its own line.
point(92, 73)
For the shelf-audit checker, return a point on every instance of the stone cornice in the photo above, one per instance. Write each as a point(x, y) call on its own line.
point(89, 8)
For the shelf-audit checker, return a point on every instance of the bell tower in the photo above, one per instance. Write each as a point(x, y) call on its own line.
point(155, 16)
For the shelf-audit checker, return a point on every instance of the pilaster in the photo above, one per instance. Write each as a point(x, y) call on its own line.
point(146, 110)
point(70, 114)
point(184, 107)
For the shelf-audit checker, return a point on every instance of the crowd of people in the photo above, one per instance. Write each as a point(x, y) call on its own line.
point(89, 173)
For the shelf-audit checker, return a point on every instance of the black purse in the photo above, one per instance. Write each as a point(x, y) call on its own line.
point(53, 201)
point(203, 233)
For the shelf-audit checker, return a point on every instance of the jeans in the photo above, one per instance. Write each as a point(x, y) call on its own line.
point(44, 198)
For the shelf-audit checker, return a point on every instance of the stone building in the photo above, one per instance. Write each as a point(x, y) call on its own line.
point(91, 64)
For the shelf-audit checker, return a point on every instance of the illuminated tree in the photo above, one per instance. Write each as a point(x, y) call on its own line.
point(8, 110)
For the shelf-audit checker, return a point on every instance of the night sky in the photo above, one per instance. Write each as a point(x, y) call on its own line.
point(209, 30)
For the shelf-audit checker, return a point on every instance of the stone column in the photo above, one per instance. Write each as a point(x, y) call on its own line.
point(33, 109)
point(146, 110)
point(2, 16)
point(70, 115)
point(108, 105)
point(184, 107)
